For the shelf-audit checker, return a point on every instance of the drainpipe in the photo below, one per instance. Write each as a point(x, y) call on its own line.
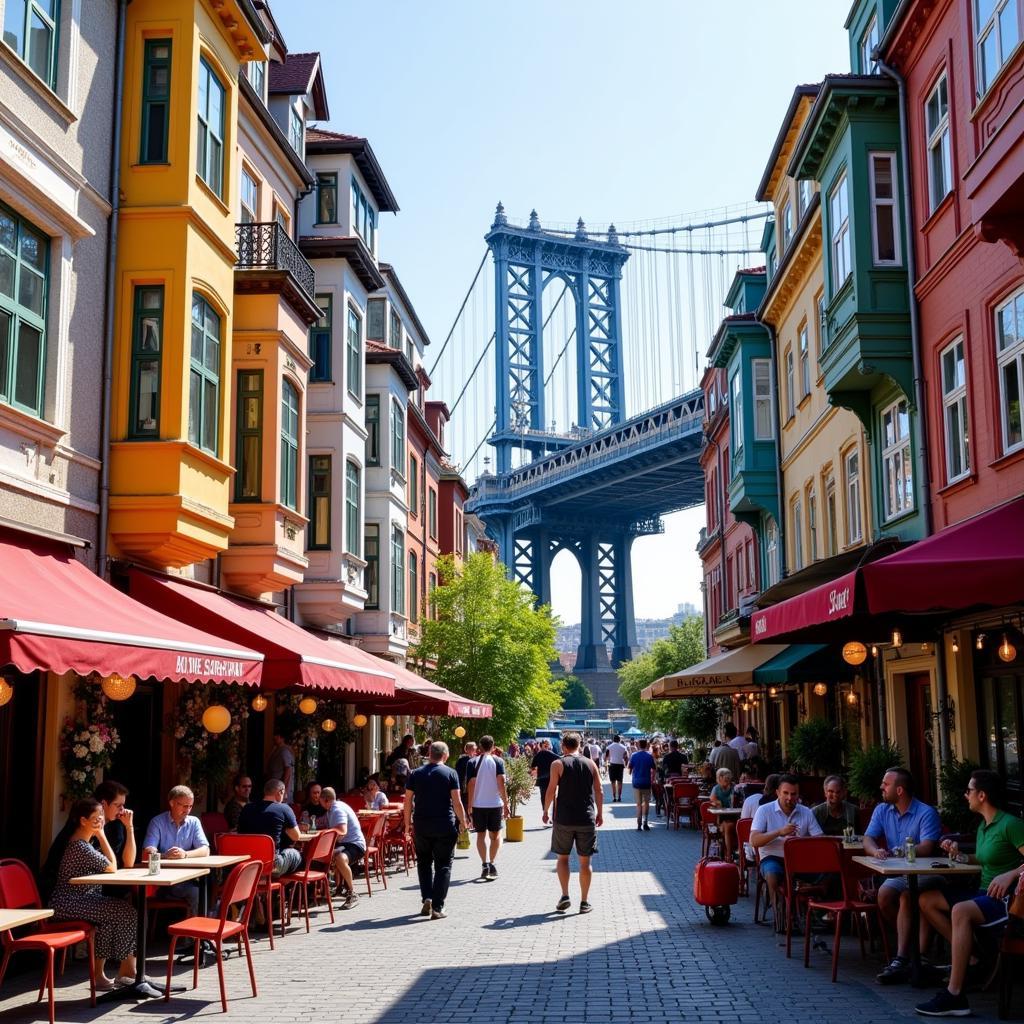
point(780, 523)
point(108, 302)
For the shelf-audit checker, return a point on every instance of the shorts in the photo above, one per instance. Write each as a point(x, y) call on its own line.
point(994, 911)
point(487, 819)
point(564, 837)
point(773, 866)
point(924, 883)
point(643, 792)
point(615, 772)
point(352, 851)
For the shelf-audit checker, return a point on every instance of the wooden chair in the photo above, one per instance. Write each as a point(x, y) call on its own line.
point(318, 851)
point(260, 848)
point(240, 888)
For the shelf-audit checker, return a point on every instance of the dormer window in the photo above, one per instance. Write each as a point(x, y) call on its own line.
point(364, 217)
point(327, 199)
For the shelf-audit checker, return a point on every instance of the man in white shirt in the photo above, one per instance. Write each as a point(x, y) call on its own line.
point(774, 823)
point(615, 754)
point(487, 803)
point(732, 737)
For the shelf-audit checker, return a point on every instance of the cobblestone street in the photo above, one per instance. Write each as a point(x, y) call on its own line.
point(503, 954)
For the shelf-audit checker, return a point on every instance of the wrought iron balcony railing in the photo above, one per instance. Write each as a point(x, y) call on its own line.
point(266, 246)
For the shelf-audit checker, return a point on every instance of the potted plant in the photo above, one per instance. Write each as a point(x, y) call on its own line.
point(953, 778)
point(519, 785)
point(816, 747)
point(867, 767)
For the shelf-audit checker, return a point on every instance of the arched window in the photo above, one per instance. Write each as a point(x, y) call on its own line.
point(289, 444)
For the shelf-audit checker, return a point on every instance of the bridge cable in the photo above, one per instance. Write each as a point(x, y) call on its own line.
point(444, 345)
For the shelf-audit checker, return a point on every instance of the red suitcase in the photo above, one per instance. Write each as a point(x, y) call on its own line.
point(716, 886)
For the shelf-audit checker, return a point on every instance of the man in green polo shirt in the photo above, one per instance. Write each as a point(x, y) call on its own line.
point(957, 912)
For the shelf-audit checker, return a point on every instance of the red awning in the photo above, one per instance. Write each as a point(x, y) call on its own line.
point(57, 616)
point(978, 563)
point(292, 656)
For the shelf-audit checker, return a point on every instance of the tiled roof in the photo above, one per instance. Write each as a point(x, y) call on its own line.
point(378, 346)
point(295, 74)
point(751, 270)
point(315, 134)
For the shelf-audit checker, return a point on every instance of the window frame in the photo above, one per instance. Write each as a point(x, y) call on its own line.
point(1011, 354)
point(371, 574)
point(432, 512)
point(787, 226)
point(149, 101)
point(319, 497)
point(205, 131)
point(839, 234)
point(258, 80)
point(798, 534)
point(812, 524)
point(852, 495)
point(242, 432)
point(364, 216)
point(252, 210)
point(790, 383)
point(804, 196)
point(984, 78)
point(804, 345)
point(397, 569)
point(353, 507)
point(321, 335)
point(206, 376)
point(868, 41)
point(954, 403)
point(290, 445)
point(296, 129)
point(414, 582)
point(397, 425)
point(326, 182)
point(771, 551)
point(414, 485)
point(900, 449)
point(829, 509)
point(761, 375)
point(354, 352)
point(140, 356)
point(52, 23)
point(736, 414)
point(372, 416)
point(878, 204)
point(395, 329)
point(939, 139)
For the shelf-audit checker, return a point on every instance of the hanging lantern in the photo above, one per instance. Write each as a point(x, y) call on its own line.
point(979, 642)
point(216, 718)
point(420, 720)
point(956, 643)
point(820, 689)
point(259, 702)
point(459, 731)
point(307, 705)
point(118, 687)
point(389, 721)
point(328, 725)
point(851, 698)
point(359, 721)
point(773, 691)
point(855, 653)
point(897, 639)
point(6, 692)
point(1007, 652)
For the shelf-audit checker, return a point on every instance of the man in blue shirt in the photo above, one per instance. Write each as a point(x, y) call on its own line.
point(900, 816)
point(175, 835)
point(351, 845)
point(641, 773)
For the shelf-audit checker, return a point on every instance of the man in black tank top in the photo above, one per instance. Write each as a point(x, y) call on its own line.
point(575, 790)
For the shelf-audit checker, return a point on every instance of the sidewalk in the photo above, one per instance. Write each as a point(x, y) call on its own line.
point(646, 953)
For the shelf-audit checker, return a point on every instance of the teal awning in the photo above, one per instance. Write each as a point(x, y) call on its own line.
point(802, 663)
point(599, 723)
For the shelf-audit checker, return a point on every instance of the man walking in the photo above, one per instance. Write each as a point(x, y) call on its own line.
point(641, 773)
point(487, 803)
point(468, 753)
point(433, 805)
point(540, 766)
point(575, 790)
point(615, 755)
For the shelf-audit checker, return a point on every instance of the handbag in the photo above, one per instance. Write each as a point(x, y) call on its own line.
point(462, 843)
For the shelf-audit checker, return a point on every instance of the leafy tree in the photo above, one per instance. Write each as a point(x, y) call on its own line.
point(491, 643)
point(694, 717)
point(577, 696)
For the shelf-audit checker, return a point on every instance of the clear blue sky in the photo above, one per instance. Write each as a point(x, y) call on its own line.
point(597, 108)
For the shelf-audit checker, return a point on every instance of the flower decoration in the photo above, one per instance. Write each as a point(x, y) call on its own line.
point(88, 740)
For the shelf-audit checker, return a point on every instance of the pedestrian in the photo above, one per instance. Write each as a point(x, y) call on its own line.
point(615, 756)
point(641, 773)
point(281, 765)
point(540, 766)
point(434, 807)
point(575, 789)
point(487, 803)
point(468, 753)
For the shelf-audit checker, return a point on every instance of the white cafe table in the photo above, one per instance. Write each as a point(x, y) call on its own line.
point(27, 915)
point(140, 878)
point(212, 861)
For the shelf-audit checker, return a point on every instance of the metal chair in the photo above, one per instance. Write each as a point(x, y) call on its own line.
point(802, 856)
point(682, 799)
point(373, 859)
point(746, 864)
point(260, 848)
point(318, 851)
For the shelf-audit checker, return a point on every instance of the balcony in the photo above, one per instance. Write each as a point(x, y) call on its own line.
point(270, 262)
point(333, 588)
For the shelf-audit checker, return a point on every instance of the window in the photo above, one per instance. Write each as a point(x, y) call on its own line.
point(371, 575)
point(1010, 357)
point(771, 552)
point(831, 533)
point(156, 97)
point(353, 514)
point(854, 530)
point(790, 385)
point(395, 334)
point(884, 226)
point(414, 486)
point(249, 432)
point(762, 373)
point(256, 70)
point(868, 42)
point(319, 502)
point(375, 319)
point(812, 525)
point(147, 346)
point(736, 415)
point(327, 199)
point(805, 362)
point(432, 512)
point(364, 217)
point(787, 226)
point(995, 35)
point(210, 129)
point(398, 570)
point(249, 198)
point(295, 130)
point(839, 207)
point(798, 535)
point(281, 217)
point(940, 163)
point(30, 30)
point(204, 376)
point(24, 259)
point(804, 195)
point(897, 472)
point(460, 532)
point(373, 430)
point(954, 411)
point(819, 325)
point(354, 352)
point(751, 574)
point(431, 587)
point(289, 445)
point(414, 583)
point(320, 340)
point(397, 436)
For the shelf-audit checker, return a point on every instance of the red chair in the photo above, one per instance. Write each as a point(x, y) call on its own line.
point(397, 842)
point(355, 800)
point(831, 862)
point(746, 865)
point(806, 855)
point(683, 801)
point(709, 828)
point(242, 883)
point(259, 848)
point(318, 851)
point(18, 892)
point(374, 857)
point(214, 824)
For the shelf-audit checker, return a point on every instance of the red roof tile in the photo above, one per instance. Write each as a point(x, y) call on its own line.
point(295, 74)
point(751, 270)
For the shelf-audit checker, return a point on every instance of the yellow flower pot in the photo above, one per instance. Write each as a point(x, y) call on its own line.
point(514, 829)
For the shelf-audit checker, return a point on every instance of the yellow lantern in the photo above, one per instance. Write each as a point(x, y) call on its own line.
point(389, 721)
point(259, 702)
point(460, 731)
point(820, 689)
point(855, 653)
point(307, 705)
point(216, 718)
point(6, 692)
point(1007, 652)
point(328, 725)
point(118, 687)
point(359, 721)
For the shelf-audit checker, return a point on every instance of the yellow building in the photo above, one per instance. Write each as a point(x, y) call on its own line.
point(173, 395)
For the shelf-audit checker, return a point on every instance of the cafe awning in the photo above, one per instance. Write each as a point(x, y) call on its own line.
point(718, 676)
point(57, 616)
point(292, 656)
point(803, 663)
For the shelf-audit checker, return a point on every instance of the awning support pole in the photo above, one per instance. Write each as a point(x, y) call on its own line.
point(883, 724)
point(942, 698)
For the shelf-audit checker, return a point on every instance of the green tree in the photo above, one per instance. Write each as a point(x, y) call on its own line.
point(694, 717)
point(490, 642)
point(576, 695)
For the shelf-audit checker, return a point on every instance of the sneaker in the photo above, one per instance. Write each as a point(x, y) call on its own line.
point(639, 827)
point(350, 901)
point(426, 908)
point(647, 826)
point(585, 907)
point(436, 915)
point(492, 872)
point(896, 972)
point(563, 904)
point(485, 873)
point(945, 1004)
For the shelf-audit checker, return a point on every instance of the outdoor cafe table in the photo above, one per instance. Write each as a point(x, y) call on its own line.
point(28, 915)
point(726, 812)
point(895, 867)
point(139, 878)
point(211, 861)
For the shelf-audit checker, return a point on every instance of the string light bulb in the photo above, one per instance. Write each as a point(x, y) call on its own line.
point(979, 642)
point(874, 650)
point(773, 691)
point(459, 731)
point(389, 721)
point(328, 725)
point(956, 643)
point(259, 702)
point(359, 720)
point(1006, 652)
point(897, 639)
point(820, 689)
point(854, 653)
point(851, 698)
point(118, 687)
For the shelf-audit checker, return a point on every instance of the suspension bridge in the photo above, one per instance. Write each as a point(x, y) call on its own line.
point(576, 360)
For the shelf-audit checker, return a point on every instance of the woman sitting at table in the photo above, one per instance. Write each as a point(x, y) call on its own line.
point(721, 796)
point(376, 799)
point(115, 919)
